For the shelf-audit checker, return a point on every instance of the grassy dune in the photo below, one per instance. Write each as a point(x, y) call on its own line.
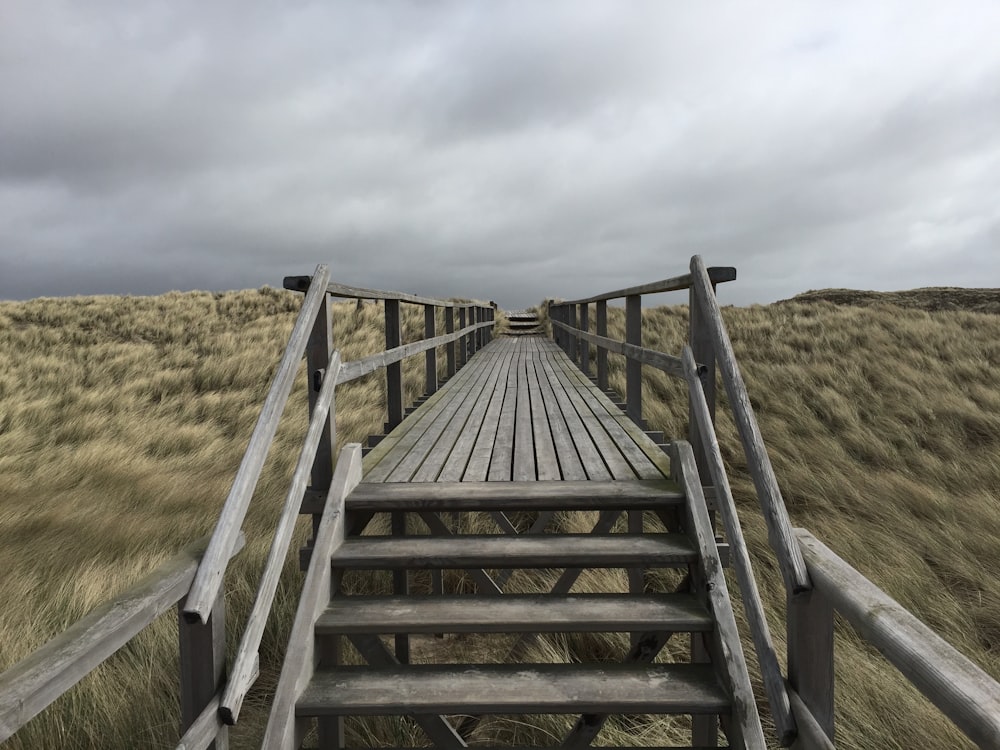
point(122, 422)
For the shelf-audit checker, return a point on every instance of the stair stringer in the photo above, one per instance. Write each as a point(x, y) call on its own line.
point(285, 731)
point(708, 583)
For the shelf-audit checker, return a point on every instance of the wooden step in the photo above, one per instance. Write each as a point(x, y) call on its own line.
point(525, 551)
point(515, 689)
point(505, 496)
point(515, 613)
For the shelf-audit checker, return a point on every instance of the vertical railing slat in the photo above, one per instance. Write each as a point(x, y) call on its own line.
point(393, 372)
point(633, 368)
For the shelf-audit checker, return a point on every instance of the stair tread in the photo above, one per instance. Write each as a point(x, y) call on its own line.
point(525, 551)
point(565, 495)
point(515, 688)
point(512, 613)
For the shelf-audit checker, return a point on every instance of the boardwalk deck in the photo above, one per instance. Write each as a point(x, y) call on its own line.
point(520, 410)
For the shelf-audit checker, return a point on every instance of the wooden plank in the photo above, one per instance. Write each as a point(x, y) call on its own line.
point(478, 466)
point(502, 457)
point(647, 457)
point(438, 437)
point(33, 683)
point(459, 434)
point(718, 275)
point(767, 658)
point(515, 613)
point(486, 496)
point(625, 434)
point(525, 551)
point(394, 447)
point(964, 692)
point(598, 451)
point(744, 730)
point(514, 688)
point(547, 465)
point(779, 530)
point(459, 458)
point(284, 731)
point(561, 432)
point(209, 577)
point(524, 447)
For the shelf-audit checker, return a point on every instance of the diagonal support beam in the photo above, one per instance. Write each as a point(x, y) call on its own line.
point(645, 649)
point(486, 584)
point(437, 728)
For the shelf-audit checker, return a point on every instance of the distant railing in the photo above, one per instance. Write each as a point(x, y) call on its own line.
point(194, 579)
point(816, 580)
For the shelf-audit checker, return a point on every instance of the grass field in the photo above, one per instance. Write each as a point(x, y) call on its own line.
point(122, 422)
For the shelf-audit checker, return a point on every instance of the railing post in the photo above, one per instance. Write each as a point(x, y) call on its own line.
point(318, 352)
point(633, 368)
point(584, 345)
point(474, 336)
point(393, 372)
point(461, 339)
point(431, 368)
point(449, 327)
point(810, 655)
point(602, 353)
point(571, 341)
point(477, 336)
point(700, 338)
point(202, 665)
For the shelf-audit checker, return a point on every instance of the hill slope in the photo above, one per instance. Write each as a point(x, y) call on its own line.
point(122, 422)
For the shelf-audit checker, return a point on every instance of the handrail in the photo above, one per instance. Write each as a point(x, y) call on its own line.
point(210, 574)
point(779, 527)
point(965, 693)
point(660, 360)
point(32, 684)
point(282, 726)
point(242, 672)
point(718, 274)
point(358, 368)
point(301, 283)
point(774, 682)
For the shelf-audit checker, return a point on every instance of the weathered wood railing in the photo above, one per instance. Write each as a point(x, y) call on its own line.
point(817, 582)
point(194, 580)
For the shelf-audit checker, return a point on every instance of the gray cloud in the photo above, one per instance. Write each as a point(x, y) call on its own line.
point(504, 150)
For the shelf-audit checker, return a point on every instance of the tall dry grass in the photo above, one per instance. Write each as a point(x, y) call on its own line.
point(122, 422)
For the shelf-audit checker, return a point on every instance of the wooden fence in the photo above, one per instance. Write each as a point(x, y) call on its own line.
point(194, 580)
point(817, 582)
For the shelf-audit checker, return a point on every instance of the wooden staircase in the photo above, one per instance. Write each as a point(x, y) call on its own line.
point(524, 323)
point(713, 688)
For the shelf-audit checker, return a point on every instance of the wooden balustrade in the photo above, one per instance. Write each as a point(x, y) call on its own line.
point(194, 579)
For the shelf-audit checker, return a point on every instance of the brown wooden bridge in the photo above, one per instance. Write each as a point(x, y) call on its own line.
point(465, 491)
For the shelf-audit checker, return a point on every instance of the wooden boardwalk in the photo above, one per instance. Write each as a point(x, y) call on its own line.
point(520, 410)
point(519, 425)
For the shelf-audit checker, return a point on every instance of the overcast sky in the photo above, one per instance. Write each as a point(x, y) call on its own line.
point(502, 150)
